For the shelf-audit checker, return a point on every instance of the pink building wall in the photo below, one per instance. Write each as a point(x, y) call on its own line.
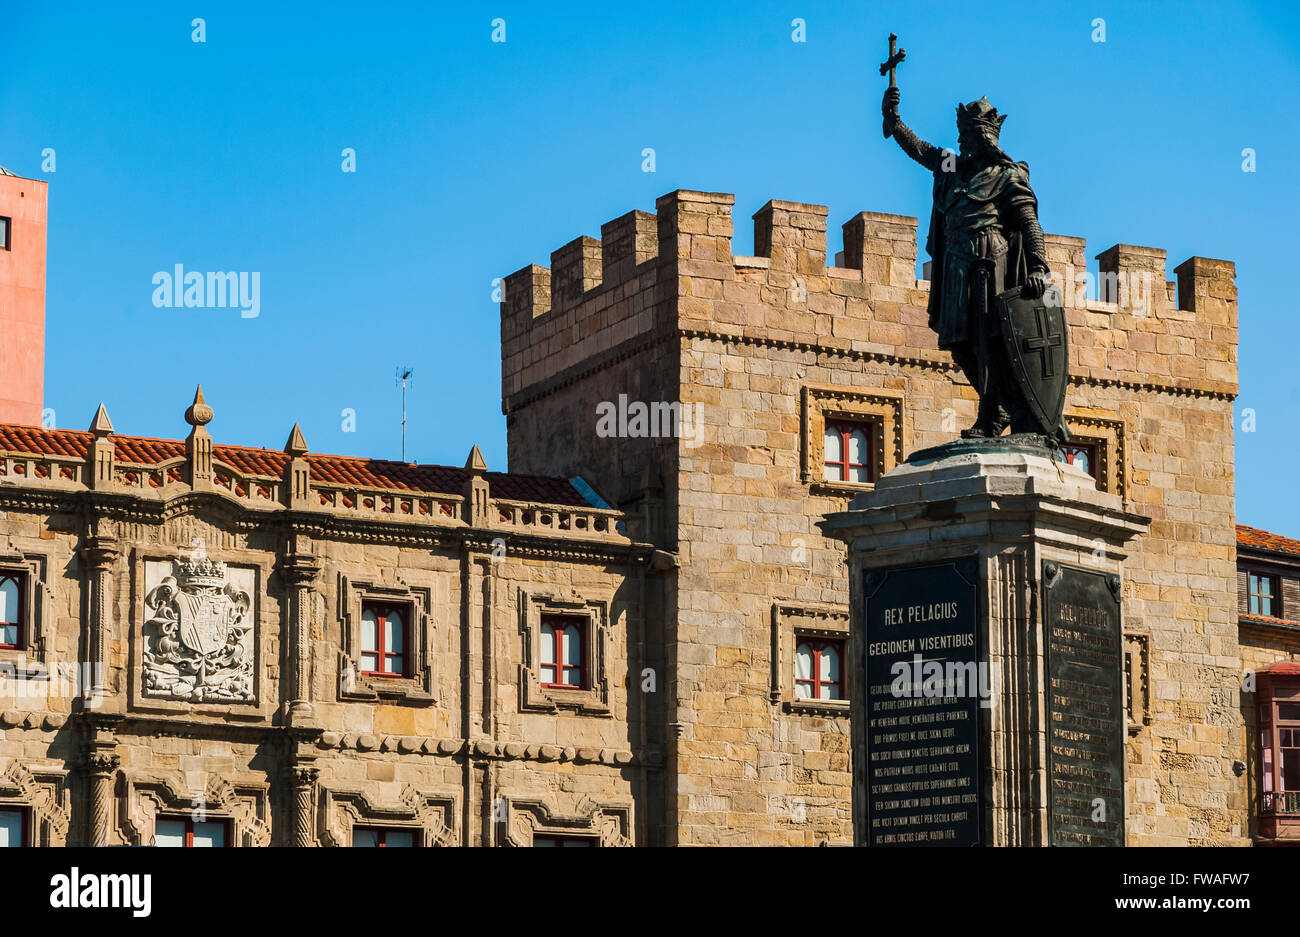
point(22, 300)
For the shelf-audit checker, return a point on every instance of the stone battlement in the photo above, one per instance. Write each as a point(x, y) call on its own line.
point(675, 270)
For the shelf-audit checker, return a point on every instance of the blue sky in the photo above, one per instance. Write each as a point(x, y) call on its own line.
point(474, 158)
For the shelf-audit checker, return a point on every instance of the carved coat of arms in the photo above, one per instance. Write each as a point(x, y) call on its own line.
point(197, 628)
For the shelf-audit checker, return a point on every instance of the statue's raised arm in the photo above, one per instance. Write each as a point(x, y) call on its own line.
point(927, 154)
point(989, 304)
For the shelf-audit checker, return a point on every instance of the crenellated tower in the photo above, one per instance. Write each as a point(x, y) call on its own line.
point(779, 356)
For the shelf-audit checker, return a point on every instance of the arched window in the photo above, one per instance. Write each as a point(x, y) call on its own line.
point(11, 609)
point(560, 658)
point(817, 669)
point(847, 456)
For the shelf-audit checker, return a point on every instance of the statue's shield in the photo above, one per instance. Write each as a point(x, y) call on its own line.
point(202, 621)
point(1036, 340)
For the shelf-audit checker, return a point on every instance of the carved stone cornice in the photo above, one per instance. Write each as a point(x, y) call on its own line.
point(125, 507)
point(100, 553)
point(300, 569)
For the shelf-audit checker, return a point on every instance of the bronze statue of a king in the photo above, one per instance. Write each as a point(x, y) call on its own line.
point(991, 301)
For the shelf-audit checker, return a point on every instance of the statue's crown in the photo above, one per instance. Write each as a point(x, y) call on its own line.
point(202, 572)
point(980, 114)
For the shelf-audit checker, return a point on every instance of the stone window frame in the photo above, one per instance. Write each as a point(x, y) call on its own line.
point(416, 688)
point(244, 807)
point(591, 700)
point(430, 815)
point(42, 794)
point(880, 408)
point(1107, 436)
point(793, 621)
point(262, 707)
point(610, 824)
point(32, 646)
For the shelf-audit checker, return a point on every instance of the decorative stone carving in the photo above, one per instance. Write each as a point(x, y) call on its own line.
point(100, 555)
point(594, 699)
point(609, 824)
point(244, 806)
point(44, 791)
point(101, 767)
point(790, 623)
point(430, 815)
point(198, 641)
point(303, 781)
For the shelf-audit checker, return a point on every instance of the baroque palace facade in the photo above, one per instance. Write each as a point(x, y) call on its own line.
point(638, 635)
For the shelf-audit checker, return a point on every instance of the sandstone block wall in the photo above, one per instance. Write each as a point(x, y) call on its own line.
point(767, 344)
point(470, 750)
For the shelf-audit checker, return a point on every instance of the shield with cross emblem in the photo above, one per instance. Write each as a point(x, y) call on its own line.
point(1035, 336)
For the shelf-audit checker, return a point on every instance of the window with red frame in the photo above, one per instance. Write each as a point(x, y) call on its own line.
point(560, 659)
point(1082, 455)
point(188, 832)
point(384, 639)
point(11, 609)
point(847, 452)
point(379, 836)
point(817, 669)
point(13, 827)
point(564, 841)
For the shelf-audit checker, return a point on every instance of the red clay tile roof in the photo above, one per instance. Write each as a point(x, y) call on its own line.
point(338, 469)
point(1269, 620)
point(1263, 540)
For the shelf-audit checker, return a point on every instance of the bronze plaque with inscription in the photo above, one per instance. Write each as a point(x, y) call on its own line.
point(1085, 707)
point(924, 689)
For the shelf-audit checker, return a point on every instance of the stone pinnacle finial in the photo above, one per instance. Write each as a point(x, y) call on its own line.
point(102, 425)
point(199, 413)
point(297, 444)
point(476, 464)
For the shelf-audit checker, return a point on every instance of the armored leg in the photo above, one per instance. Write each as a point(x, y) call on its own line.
point(992, 418)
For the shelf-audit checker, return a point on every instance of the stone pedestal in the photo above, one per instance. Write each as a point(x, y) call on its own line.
point(988, 530)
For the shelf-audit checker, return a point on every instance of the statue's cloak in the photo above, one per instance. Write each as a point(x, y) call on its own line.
point(986, 209)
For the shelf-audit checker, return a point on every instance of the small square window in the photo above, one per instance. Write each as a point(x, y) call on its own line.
point(1082, 455)
point(1262, 596)
point(384, 639)
point(561, 651)
point(6, 226)
point(373, 836)
point(565, 841)
point(818, 673)
point(188, 832)
point(12, 621)
point(13, 826)
point(848, 448)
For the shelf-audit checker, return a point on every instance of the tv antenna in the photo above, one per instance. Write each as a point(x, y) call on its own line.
point(404, 379)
